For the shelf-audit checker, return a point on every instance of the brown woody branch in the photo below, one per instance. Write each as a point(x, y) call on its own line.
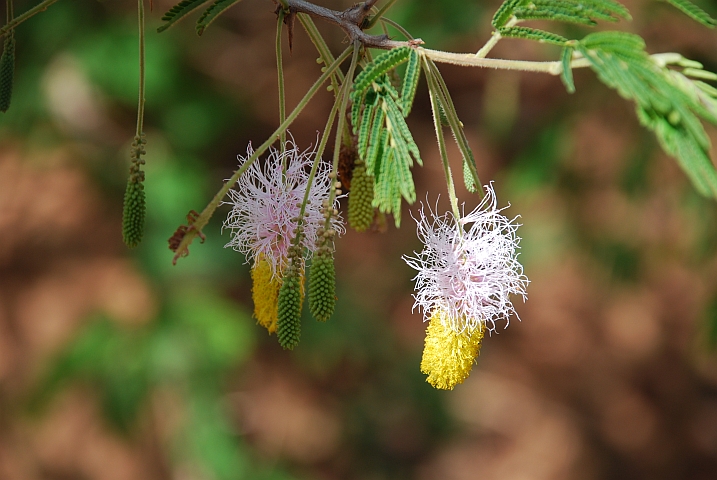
point(349, 20)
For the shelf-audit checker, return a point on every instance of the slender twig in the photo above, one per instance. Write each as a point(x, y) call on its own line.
point(398, 27)
point(444, 97)
point(345, 91)
point(317, 159)
point(141, 96)
point(280, 74)
point(339, 105)
point(349, 20)
point(432, 88)
point(471, 60)
point(209, 210)
point(41, 7)
point(494, 39)
point(380, 13)
point(327, 58)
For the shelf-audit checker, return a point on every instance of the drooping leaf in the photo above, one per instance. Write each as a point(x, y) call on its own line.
point(212, 13)
point(583, 12)
point(447, 109)
point(694, 12)
point(567, 74)
point(504, 12)
point(410, 82)
point(667, 102)
point(179, 11)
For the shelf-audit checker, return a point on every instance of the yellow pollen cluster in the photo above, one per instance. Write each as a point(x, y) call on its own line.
point(265, 293)
point(448, 356)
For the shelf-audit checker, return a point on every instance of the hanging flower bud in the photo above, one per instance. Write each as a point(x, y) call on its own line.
point(134, 199)
point(361, 198)
point(291, 298)
point(322, 276)
point(322, 286)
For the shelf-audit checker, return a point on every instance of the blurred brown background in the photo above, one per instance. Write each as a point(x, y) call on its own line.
point(115, 365)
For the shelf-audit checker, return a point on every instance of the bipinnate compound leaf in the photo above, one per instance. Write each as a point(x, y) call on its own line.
point(376, 69)
point(387, 148)
point(582, 12)
point(667, 102)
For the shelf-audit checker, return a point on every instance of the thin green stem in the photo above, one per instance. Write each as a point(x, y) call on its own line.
point(384, 28)
point(380, 13)
point(41, 7)
point(140, 101)
point(8, 11)
point(444, 97)
point(209, 210)
point(326, 56)
point(339, 106)
point(485, 49)
point(398, 27)
point(317, 159)
point(284, 4)
point(433, 88)
point(280, 74)
point(494, 39)
point(345, 92)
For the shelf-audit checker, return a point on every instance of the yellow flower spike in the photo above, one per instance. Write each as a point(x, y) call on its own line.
point(265, 293)
point(448, 356)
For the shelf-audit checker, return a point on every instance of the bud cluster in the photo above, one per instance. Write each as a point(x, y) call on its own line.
point(361, 198)
point(291, 298)
point(322, 276)
point(134, 197)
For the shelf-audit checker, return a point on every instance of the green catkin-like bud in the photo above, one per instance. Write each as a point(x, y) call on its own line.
point(322, 285)
point(361, 198)
point(468, 178)
point(7, 71)
point(289, 307)
point(134, 198)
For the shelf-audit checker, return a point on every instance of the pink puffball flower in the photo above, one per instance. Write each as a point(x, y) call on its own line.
point(266, 203)
point(468, 268)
